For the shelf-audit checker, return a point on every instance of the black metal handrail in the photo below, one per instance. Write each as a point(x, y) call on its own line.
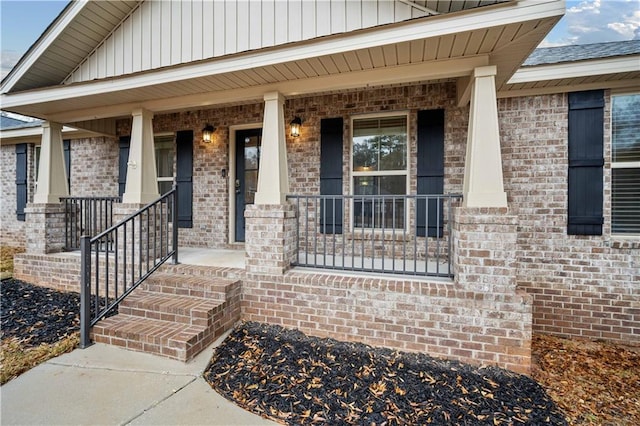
point(398, 234)
point(86, 216)
point(124, 257)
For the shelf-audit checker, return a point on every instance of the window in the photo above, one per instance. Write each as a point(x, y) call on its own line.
point(379, 169)
point(165, 154)
point(625, 164)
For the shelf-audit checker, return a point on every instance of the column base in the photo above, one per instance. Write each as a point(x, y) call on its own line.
point(45, 228)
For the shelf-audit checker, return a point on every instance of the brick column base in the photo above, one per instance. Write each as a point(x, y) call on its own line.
point(269, 238)
point(485, 243)
point(485, 249)
point(45, 227)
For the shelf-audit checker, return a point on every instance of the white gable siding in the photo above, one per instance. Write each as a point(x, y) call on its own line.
point(170, 32)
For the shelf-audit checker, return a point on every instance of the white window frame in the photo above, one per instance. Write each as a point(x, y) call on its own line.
point(173, 167)
point(407, 171)
point(619, 164)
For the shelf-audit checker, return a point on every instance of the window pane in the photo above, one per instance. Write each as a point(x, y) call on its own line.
point(378, 212)
point(380, 144)
point(165, 152)
point(164, 186)
point(626, 128)
point(625, 201)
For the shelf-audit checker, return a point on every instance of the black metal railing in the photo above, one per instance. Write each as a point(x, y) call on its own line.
point(86, 216)
point(119, 259)
point(398, 234)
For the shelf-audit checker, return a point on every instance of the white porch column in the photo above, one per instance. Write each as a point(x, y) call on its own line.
point(273, 176)
point(142, 183)
point(483, 185)
point(52, 172)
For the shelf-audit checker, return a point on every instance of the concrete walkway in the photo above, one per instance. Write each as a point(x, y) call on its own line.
point(113, 386)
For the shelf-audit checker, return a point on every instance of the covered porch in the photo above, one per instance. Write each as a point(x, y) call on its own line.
point(429, 83)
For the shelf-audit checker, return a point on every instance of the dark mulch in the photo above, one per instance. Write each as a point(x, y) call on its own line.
point(295, 379)
point(37, 314)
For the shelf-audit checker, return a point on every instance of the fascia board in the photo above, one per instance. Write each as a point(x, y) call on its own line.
point(43, 43)
point(441, 25)
point(576, 69)
point(13, 135)
point(623, 85)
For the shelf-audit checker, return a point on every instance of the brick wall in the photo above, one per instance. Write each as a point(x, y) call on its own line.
point(439, 318)
point(587, 286)
point(94, 167)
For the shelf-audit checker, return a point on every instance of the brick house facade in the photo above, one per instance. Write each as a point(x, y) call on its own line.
point(515, 268)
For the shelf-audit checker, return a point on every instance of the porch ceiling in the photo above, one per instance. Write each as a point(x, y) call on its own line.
point(443, 46)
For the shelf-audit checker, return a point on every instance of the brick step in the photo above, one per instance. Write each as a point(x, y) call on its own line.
point(175, 315)
point(188, 285)
point(166, 338)
point(170, 307)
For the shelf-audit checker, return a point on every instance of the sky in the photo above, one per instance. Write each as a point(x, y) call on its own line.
point(586, 21)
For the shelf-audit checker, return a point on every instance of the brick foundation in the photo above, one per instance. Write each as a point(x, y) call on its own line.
point(270, 238)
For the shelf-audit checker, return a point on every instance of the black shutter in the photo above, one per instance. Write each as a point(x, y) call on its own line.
point(184, 178)
point(586, 160)
point(21, 180)
point(331, 140)
point(123, 158)
point(67, 161)
point(430, 172)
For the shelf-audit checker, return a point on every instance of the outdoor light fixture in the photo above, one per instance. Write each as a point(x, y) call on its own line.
point(295, 127)
point(207, 133)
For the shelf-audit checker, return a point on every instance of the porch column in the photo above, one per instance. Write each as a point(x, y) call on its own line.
point(273, 177)
point(483, 185)
point(52, 172)
point(142, 184)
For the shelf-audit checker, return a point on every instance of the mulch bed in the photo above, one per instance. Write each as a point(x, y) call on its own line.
point(295, 379)
point(35, 314)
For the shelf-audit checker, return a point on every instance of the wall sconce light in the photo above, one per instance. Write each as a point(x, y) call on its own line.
point(295, 127)
point(207, 133)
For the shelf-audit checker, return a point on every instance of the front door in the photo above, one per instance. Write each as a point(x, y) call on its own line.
point(247, 161)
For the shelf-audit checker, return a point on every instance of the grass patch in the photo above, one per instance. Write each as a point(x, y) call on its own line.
point(6, 260)
point(16, 357)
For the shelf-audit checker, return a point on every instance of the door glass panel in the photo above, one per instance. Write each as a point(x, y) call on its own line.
point(250, 185)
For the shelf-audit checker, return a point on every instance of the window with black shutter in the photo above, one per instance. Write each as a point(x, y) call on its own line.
point(123, 158)
point(21, 180)
point(586, 161)
point(430, 171)
point(331, 144)
point(184, 177)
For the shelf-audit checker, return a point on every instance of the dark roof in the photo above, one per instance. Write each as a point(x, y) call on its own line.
point(7, 123)
point(582, 52)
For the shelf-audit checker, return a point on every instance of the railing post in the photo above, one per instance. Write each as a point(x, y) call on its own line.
point(174, 218)
point(85, 291)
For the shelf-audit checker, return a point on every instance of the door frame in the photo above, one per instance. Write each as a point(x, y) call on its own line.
point(231, 184)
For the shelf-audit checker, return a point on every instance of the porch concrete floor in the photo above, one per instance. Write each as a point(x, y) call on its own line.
point(211, 257)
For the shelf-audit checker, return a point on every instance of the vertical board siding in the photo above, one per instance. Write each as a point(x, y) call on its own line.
point(170, 32)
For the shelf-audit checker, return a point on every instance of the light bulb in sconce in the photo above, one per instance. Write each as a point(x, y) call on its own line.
point(207, 133)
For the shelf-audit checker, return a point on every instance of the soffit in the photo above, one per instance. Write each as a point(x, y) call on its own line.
point(85, 24)
point(222, 80)
point(79, 28)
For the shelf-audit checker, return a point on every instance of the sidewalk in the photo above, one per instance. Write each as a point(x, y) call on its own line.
point(108, 385)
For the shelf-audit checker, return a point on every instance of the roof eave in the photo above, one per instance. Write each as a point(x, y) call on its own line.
point(53, 31)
